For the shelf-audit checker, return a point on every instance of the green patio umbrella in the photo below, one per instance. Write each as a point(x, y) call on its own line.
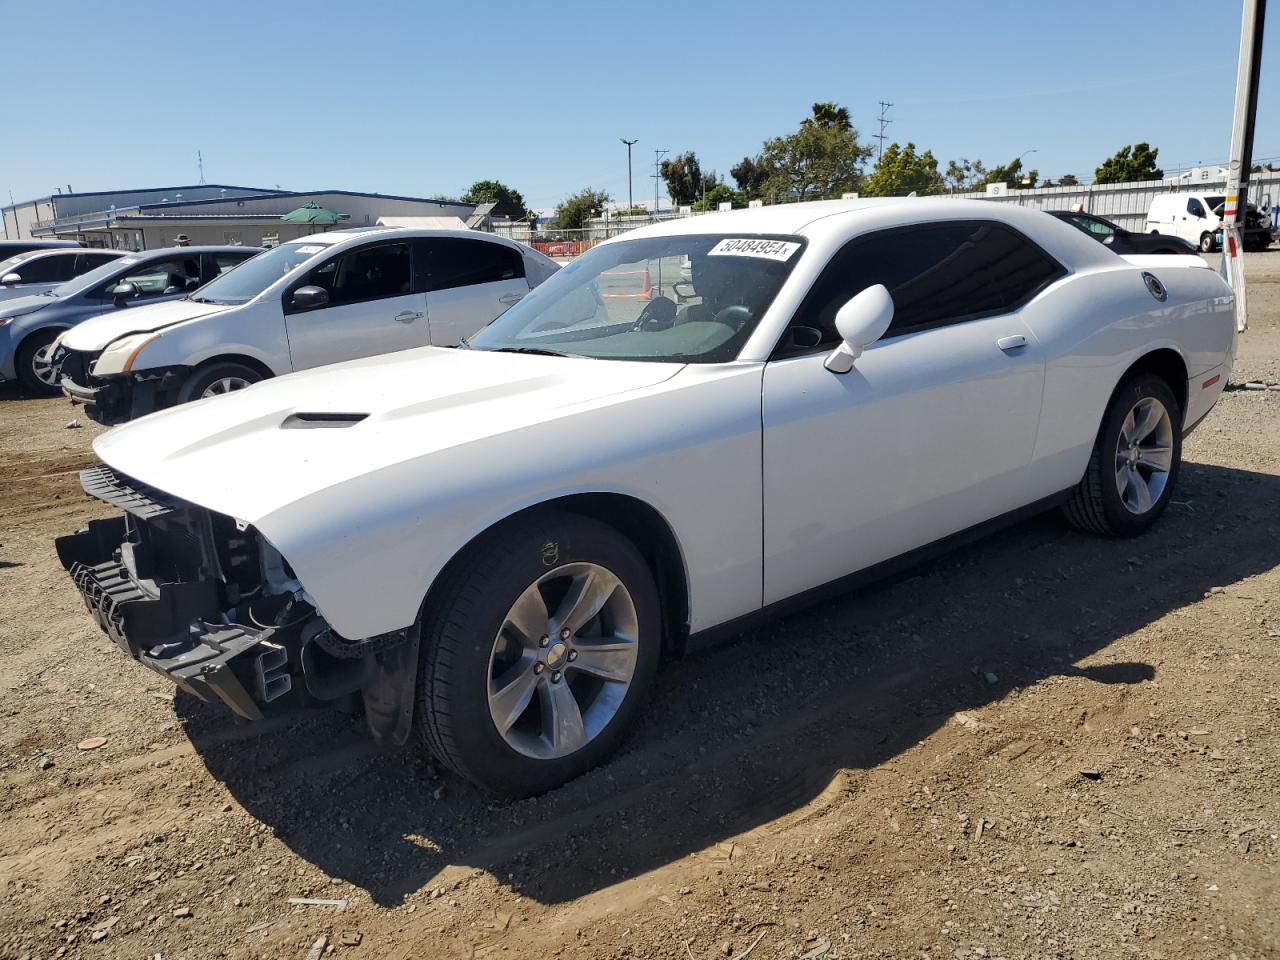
point(314, 214)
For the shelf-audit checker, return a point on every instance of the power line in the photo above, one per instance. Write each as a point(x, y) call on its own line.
point(884, 122)
point(657, 175)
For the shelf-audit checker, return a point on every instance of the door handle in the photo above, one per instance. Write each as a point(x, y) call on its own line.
point(510, 297)
point(408, 316)
point(1009, 344)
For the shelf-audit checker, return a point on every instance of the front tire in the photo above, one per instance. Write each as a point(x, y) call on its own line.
point(1135, 462)
point(540, 647)
point(1206, 243)
point(36, 370)
point(217, 379)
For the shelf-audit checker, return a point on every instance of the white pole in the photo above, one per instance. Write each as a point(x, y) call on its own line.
point(1241, 158)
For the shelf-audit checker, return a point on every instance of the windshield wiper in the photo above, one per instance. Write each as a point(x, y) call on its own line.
point(538, 351)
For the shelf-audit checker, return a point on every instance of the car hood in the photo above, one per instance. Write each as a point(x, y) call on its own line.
point(249, 453)
point(96, 332)
point(21, 306)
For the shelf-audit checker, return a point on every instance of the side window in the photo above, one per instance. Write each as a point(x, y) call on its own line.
point(220, 263)
point(1096, 227)
point(456, 262)
point(1195, 207)
point(937, 273)
point(50, 269)
point(369, 273)
point(92, 261)
point(157, 278)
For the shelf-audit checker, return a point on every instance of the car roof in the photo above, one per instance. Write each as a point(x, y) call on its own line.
point(797, 218)
point(352, 234)
point(167, 251)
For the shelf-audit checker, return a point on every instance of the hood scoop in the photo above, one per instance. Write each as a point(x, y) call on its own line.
point(320, 421)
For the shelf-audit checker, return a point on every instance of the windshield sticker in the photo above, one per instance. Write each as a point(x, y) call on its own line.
point(766, 249)
point(310, 248)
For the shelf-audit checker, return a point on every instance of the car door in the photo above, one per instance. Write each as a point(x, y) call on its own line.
point(372, 307)
point(1191, 220)
point(468, 283)
point(932, 430)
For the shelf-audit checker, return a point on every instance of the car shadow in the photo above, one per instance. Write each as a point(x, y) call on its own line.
point(757, 728)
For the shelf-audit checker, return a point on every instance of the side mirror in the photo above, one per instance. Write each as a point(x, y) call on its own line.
point(9, 278)
point(861, 321)
point(122, 292)
point(310, 298)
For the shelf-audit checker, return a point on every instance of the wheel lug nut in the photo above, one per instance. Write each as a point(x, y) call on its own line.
point(566, 633)
point(555, 676)
point(573, 655)
point(539, 667)
point(542, 642)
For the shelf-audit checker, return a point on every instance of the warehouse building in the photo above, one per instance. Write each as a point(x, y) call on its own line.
point(205, 213)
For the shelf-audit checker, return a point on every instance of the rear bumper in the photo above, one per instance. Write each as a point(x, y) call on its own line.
point(173, 628)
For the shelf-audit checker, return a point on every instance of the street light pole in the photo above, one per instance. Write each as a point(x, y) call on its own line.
point(630, 200)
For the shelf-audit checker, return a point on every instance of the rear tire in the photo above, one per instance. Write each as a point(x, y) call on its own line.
point(505, 698)
point(216, 379)
point(1134, 466)
point(35, 369)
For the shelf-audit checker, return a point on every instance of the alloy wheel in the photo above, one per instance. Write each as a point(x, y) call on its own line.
point(42, 365)
point(1144, 455)
point(224, 385)
point(563, 661)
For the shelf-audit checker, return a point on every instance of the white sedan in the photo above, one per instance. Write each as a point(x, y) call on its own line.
point(494, 546)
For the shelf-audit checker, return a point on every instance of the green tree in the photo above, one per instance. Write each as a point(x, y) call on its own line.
point(509, 201)
point(750, 175)
point(1136, 162)
point(901, 171)
point(829, 115)
point(1013, 175)
point(821, 159)
point(1068, 180)
point(719, 194)
point(685, 179)
point(573, 212)
point(637, 211)
point(964, 175)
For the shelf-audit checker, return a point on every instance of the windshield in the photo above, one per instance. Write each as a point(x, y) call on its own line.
point(243, 283)
point(687, 299)
point(1213, 203)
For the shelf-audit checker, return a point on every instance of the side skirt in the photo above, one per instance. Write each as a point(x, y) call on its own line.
point(718, 634)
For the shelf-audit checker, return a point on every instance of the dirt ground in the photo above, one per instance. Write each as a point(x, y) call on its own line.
point(1043, 745)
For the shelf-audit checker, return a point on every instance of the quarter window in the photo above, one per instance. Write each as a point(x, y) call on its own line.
point(456, 262)
point(937, 273)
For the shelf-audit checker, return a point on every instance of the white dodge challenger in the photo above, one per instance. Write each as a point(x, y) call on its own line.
point(491, 547)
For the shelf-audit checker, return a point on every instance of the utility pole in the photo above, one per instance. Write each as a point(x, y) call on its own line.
point(630, 200)
point(884, 122)
point(657, 176)
point(1241, 158)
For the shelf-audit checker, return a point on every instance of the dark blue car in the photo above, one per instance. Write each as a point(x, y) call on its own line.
point(29, 325)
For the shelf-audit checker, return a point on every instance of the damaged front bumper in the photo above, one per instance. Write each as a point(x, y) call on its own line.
point(118, 398)
point(209, 604)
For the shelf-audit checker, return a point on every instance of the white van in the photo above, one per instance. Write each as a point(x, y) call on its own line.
point(308, 302)
point(1197, 218)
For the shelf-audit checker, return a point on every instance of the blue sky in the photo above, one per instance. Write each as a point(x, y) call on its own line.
point(424, 98)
